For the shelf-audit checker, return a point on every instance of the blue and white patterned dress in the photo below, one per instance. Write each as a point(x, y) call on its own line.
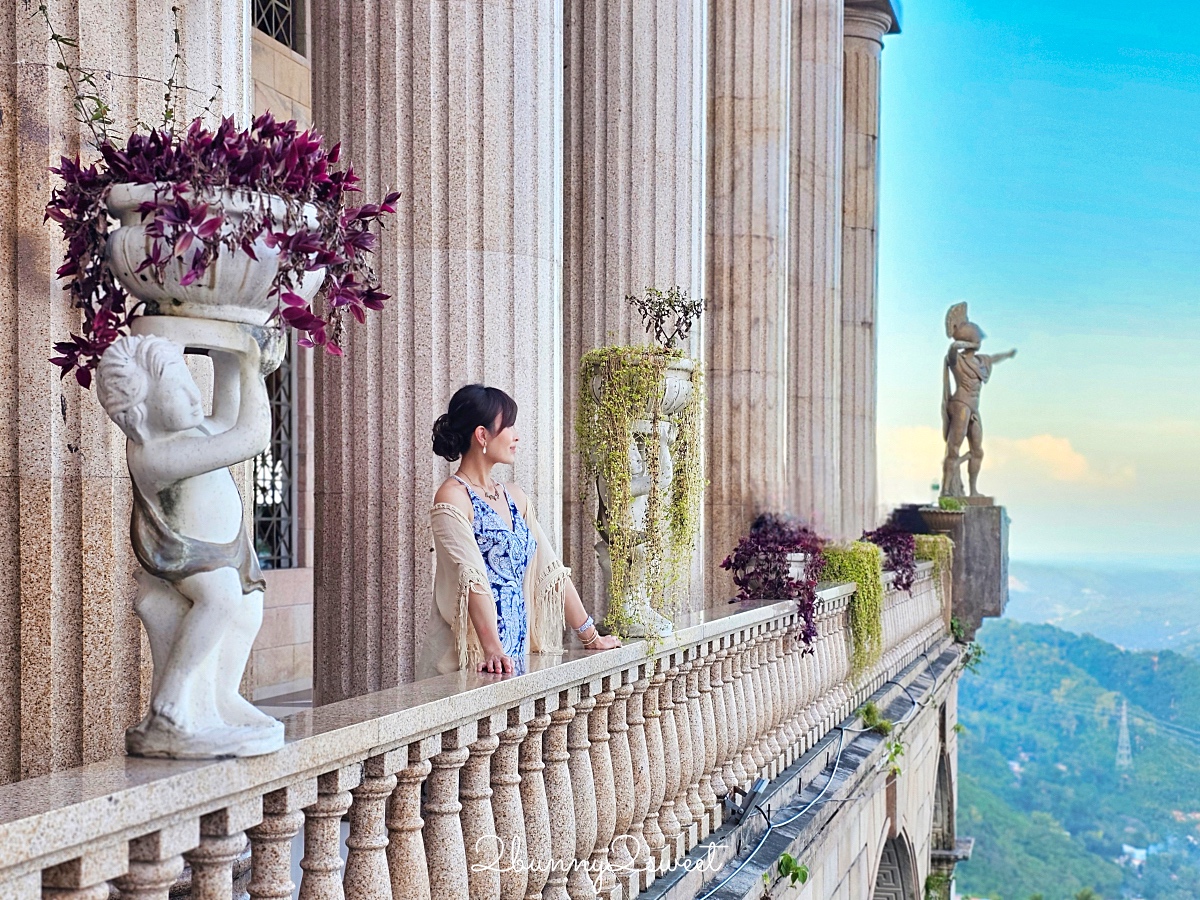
point(507, 553)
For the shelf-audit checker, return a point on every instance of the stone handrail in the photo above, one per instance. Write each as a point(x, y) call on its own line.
point(591, 774)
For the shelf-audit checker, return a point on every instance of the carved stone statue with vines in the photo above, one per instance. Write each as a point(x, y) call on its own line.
point(961, 421)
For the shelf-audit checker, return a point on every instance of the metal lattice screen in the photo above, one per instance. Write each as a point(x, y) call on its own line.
point(274, 477)
point(278, 19)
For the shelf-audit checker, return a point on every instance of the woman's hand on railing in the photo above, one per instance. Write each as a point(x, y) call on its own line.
point(604, 642)
point(496, 663)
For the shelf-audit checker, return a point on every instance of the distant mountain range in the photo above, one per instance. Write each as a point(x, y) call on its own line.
point(1039, 785)
point(1134, 607)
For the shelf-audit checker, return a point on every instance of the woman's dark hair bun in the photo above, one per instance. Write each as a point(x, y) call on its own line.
point(471, 406)
point(447, 443)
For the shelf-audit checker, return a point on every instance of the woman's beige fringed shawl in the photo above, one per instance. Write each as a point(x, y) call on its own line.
point(451, 642)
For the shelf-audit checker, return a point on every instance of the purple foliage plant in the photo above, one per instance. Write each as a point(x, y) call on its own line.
point(192, 169)
point(761, 569)
point(899, 551)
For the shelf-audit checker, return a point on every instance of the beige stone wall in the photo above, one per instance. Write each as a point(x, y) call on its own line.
point(843, 864)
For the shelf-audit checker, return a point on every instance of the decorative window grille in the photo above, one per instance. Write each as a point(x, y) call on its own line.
point(278, 18)
point(274, 478)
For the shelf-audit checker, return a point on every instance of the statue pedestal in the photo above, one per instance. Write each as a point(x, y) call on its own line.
point(980, 565)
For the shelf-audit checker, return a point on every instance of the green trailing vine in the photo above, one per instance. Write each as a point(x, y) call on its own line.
point(620, 386)
point(937, 886)
point(938, 549)
point(861, 563)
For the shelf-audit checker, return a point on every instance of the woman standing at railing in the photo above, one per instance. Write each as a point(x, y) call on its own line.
point(499, 591)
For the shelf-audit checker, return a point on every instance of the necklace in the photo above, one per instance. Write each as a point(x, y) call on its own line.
point(493, 494)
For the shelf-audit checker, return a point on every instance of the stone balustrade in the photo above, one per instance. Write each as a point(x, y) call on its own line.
point(585, 777)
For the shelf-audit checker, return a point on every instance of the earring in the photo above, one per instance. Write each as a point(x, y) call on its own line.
point(485, 449)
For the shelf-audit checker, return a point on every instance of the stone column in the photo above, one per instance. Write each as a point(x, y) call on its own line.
point(746, 285)
point(74, 671)
point(814, 264)
point(866, 22)
point(633, 201)
point(459, 108)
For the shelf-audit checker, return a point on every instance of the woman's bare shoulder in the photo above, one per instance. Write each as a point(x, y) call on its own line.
point(455, 494)
point(514, 491)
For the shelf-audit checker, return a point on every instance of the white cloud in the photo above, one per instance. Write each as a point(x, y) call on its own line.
point(910, 462)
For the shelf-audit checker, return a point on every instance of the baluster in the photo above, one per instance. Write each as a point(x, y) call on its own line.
point(478, 820)
point(406, 845)
point(95, 892)
point(533, 802)
point(700, 814)
point(668, 820)
point(508, 813)
point(768, 744)
point(83, 878)
point(322, 862)
point(445, 853)
point(562, 811)
point(734, 773)
point(620, 857)
point(640, 761)
point(683, 730)
point(779, 696)
point(652, 830)
point(271, 840)
point(792, 648)
point(744, 713)
point(754, 697)
point(583, 787)
point(222, 842)
point(708, 726)
point(823, 675)
point(606, 804)
point(155, 862)
point(809, 684)
point(720, 730)
point(367, 874)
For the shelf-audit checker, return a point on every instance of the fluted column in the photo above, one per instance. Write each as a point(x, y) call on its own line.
point(746, 286)
point(633, 199)
point(865, 26)
point(463, 117)
point(73, 673)
point(815, 264)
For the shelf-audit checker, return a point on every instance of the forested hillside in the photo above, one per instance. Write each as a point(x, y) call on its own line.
point(1039, 787)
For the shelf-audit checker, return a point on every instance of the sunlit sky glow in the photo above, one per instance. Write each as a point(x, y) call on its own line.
point(1040, 159)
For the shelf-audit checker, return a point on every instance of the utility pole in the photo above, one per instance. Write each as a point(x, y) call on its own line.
point(1124, 754)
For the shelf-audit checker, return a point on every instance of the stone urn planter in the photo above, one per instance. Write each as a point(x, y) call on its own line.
point(235, 288)
point(941, 520)
point(642, 399)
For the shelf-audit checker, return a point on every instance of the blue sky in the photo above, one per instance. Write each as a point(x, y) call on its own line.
point(1040, 159)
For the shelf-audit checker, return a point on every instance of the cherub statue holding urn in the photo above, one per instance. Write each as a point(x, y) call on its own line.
point(200, 590)
point(960, 408)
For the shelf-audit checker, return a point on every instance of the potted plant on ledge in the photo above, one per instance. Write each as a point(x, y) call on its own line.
point(639, 423)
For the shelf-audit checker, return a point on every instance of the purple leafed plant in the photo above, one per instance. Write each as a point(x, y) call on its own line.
point(899, 553)
point(762, 571)
point(269, 158)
